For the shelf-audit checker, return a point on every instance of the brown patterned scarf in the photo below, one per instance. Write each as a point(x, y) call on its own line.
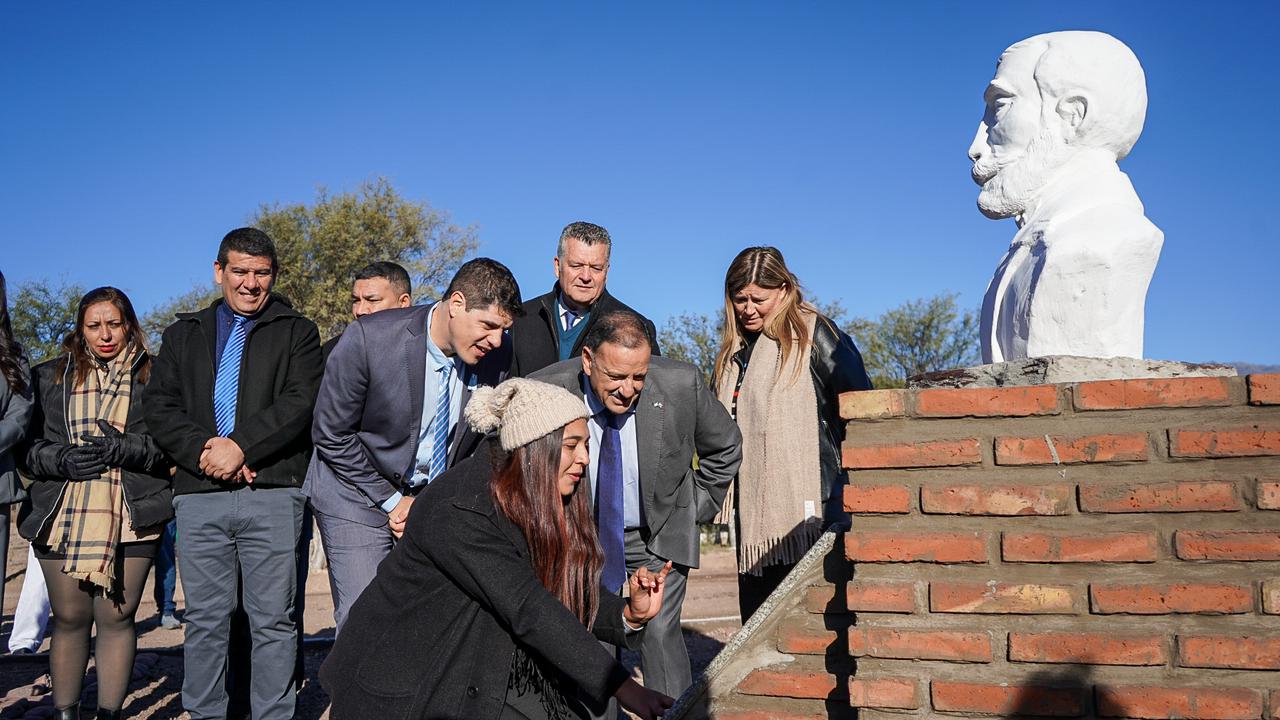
point(778, 492)
point(87, 528)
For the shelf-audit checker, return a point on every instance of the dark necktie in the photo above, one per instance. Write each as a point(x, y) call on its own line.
point(609, 503)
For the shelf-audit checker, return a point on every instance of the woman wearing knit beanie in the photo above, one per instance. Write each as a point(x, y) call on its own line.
point(491, 606)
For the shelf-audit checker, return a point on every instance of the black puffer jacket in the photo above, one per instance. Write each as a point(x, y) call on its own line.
point(147, 489)
point(836, 367)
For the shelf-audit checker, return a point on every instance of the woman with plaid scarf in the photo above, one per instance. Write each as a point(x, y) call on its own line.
point(100, 496)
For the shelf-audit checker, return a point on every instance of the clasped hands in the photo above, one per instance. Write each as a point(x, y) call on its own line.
point(222, 459)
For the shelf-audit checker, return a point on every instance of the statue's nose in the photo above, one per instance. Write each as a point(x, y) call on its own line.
point(979, 146)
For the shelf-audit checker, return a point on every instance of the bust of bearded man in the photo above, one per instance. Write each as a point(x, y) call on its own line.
point(1061, 111)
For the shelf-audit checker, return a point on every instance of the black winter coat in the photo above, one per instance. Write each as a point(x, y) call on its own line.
point(535, 342)
point(147, 489)
point(836, 367)
point(432, 636)
point(279, 376)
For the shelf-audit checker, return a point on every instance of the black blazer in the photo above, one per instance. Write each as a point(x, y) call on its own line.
point(279, 375)
point(147, 488)
point(433, 635)
point(535, 343)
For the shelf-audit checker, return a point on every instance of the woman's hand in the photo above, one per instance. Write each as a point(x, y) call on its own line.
point(646, 595)
point(126, 450)
point(644, 703)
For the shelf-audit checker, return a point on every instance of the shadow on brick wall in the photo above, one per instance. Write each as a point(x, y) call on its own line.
point(838, 571)
point(1059, 692)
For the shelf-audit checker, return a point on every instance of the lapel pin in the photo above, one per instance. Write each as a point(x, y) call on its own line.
point(657, 404)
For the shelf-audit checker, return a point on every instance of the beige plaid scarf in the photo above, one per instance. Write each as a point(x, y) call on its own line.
point(779, 486)
point(87, 529)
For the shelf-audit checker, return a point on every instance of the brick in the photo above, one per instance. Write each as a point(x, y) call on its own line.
point(933, 453)
point(1071, 450)
point(1251, 441)
point(1271, 597)
point(769, 715)
point(1098, 547)
point(1227, 545)
point(1268, 495)
point(1002, 598)
point(1233, 653)
point(795, 636)
point(1264, 389)
point(792, 684)
point(1008, 700)
point(1146, 701)
point(873, 404)
point(914, 546)
point(997, 500)
point(903, 644)
point(987, 402)
point(889, 597)
point(1087, 648)
point(1273, 707)
point(1159, 497)
point(877, 499)
point(1189, 598)
point(1153, 393)
point(897, 693)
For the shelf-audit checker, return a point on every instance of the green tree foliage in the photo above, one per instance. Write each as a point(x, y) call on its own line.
point(321, 246)
point(693, 338)
point(161, 316)
point(916, 337)
point(42, 313)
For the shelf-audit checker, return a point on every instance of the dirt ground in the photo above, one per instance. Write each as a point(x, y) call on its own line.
point(710, 619)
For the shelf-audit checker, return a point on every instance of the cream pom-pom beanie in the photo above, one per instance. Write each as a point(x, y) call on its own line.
point(522, 410)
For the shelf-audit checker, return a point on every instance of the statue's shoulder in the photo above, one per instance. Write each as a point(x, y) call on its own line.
point(1103, 231)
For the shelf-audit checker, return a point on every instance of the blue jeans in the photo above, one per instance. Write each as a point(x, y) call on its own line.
point(167, 569)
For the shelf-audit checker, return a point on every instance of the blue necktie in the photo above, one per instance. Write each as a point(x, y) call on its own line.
point(440, 425)
point(609, 509)
point(226, 385)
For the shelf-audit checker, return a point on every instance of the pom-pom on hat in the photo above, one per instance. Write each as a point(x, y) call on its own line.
point(522, 410)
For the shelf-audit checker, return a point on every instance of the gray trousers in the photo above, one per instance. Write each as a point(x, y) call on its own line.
point(353, 550)
point(248, 535)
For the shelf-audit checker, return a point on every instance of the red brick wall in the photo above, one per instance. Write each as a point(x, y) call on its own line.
point(1105, 549)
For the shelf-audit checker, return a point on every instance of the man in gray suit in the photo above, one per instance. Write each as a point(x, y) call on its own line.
point(649, 416)
point(387, 417)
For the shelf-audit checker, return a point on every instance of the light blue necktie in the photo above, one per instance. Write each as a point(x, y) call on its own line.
point(226, 384)
point(440, 425)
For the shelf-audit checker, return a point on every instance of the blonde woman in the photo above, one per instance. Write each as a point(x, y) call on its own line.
point(781, 369)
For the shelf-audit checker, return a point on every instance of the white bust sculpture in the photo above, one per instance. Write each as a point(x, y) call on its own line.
point(1062, 109)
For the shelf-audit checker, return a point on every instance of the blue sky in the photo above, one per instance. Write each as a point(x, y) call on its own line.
point(133, 135)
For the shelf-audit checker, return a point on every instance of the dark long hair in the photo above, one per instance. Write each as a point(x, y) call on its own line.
point(563, 546)
point(10, 350)
point(75, 349)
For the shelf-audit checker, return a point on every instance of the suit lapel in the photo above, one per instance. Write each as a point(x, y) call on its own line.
point(415, 368)
point(463, 437)
point(651, 415)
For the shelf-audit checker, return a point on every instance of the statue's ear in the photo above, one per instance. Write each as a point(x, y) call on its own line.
point(1073, 109)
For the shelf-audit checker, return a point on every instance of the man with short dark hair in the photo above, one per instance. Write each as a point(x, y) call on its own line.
point(649, 416)
point(554, 324)
point(381, 285)
point(230, 401)
point(387, 421)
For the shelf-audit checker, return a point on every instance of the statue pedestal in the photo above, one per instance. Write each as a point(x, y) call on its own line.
point(1054, 369)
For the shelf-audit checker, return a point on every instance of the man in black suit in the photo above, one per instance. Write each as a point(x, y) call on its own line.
point(387, 419)
point(649, 416)
point(554, 324)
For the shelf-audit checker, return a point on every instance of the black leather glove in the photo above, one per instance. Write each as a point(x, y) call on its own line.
point(119, 449)
point(81, 462)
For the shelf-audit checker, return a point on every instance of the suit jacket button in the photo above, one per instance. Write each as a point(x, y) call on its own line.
point(472, 691)
point(396, 476)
